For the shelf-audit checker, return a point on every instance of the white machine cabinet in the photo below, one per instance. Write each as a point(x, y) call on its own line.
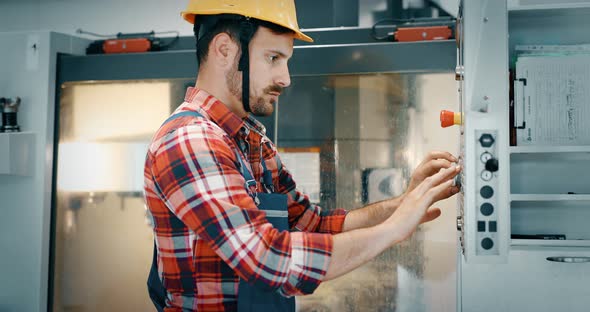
point(524, 210)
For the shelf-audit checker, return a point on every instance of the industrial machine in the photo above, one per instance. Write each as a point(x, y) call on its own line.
point(523, 239)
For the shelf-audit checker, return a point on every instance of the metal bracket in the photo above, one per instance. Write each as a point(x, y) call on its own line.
point(519, 101)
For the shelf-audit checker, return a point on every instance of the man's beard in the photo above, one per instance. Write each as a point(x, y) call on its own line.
point(258, 105)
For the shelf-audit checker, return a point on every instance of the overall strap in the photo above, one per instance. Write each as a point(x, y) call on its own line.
point(250, 182)
point(267, 177)
point(182, 114)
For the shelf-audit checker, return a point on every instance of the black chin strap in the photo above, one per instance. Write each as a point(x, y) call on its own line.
point(247, 30)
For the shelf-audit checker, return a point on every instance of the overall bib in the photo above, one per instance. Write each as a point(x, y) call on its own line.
point(250, 298)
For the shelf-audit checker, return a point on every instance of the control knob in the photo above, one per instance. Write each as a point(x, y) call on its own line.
point(492, 164)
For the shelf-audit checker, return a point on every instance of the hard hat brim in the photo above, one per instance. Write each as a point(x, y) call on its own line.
point(190, 17)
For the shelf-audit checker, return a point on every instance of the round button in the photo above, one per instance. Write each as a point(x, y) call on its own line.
point(486, 209)
point(487, 243)
point(486, 192)
point(485, 157)
point(486, 175)
point(492, 165)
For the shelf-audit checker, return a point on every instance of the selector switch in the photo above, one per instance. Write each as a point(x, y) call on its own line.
point(457, 181)
point(492, 165)
point(486, 140)
point(486, 209)
point(486, 192)
point(487, 243)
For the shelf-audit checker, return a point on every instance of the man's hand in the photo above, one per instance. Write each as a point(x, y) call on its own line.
point(415, 207)
point(357, 246)
point(378, 212)
point(430, 165)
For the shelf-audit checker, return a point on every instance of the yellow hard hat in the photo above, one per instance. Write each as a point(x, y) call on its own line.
point(280, 12)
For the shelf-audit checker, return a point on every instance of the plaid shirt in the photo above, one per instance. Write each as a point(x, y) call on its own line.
point(209, 232)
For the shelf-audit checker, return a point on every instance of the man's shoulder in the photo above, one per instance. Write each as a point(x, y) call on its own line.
point(187, 128)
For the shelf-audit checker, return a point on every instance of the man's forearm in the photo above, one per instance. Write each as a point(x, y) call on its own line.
point(354, 248)
point(371, 215)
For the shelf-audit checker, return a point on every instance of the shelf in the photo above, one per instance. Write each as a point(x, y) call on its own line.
point(551, 243)
point(548, 149)
point(543, 5)
point(549, 197)
point(16, 153)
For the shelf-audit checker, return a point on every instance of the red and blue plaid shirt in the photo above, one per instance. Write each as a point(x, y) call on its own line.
point(208, 230)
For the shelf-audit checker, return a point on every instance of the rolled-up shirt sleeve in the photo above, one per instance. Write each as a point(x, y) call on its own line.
point(305, 216)
point(195, 169)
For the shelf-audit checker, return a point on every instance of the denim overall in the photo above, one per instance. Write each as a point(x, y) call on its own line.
point(250, 298)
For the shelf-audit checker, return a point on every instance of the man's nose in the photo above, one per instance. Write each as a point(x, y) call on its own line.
point(283, 77)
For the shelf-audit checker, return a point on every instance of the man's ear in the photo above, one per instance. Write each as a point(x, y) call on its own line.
point(223, 49)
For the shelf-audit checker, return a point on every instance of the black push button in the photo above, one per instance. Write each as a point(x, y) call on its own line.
point(481, 226)
point(492, 165)
point(492, 226)
point(486, 191)
point(486, 140)
point(487, 243)
point(486, 209)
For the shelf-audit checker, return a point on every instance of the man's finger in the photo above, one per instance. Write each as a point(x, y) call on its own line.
point(447, 193)
point(435, 165)
point(440, 155)
point(431, 214)
point(439, 190)
point(436, 179)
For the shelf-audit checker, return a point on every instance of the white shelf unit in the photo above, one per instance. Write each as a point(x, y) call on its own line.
point(549, 197)
point(17, 153)
point(551, 215)
point(550, 243)
point(550, 172)
point(548, 149)
point(541, 5)
point(549, 185)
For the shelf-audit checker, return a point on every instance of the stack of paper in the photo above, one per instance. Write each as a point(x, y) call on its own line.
point(552, 99)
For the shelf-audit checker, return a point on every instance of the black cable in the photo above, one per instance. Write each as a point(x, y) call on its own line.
point(374, 30)
point(171, 42)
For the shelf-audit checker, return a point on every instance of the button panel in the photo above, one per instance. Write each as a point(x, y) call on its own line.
point(486, 196)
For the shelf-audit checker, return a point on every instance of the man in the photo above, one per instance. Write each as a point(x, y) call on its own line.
point(231, 229)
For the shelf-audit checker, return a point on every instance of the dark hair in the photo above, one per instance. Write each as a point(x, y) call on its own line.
point(230, 26)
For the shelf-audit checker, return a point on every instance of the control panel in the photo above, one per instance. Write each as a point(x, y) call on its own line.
point(486, 199)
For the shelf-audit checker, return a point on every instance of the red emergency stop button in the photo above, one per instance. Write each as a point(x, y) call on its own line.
point(448, 118)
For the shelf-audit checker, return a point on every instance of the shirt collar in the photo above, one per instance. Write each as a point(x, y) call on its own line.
point(198, 99)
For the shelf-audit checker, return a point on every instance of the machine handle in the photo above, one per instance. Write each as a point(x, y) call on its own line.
point(569, 259)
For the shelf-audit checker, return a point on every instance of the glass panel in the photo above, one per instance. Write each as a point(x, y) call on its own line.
point(103, 243)
point(363, 133)
point(372, 131)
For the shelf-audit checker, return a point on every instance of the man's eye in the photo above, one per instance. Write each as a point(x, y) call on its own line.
point(273, 58)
